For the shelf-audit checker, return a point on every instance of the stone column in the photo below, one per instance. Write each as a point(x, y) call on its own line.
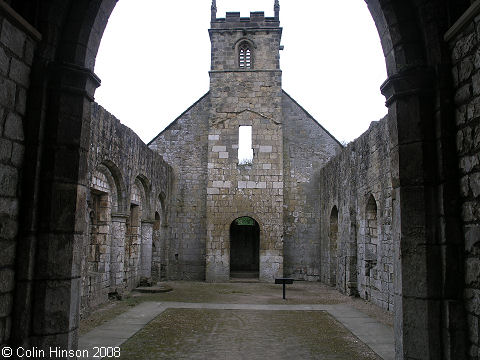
point(53, 273)
point(117, 252)
point(146, 249)
point(421, 261)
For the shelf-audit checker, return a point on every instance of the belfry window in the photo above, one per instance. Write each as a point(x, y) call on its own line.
point(244, 56)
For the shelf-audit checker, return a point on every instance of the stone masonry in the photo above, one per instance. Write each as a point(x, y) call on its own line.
point(18, 40)
point(88, 211)
point(213, 189)
point(129, 187)
point(356, 247)
point(464, 42)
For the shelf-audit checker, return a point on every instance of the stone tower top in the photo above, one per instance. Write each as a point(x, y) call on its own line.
point(257, 19)
point(276, 9)
point(214, 10)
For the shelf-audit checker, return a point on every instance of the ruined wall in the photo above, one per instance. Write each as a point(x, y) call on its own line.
point(127, 182)
point(464, 41)
point(183, 144)
point(307, 147)
point(17, 45)
point(356, 212)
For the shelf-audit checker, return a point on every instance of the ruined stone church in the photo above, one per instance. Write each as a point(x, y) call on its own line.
point(197, 210)
point(87, 210)
point(275, 189)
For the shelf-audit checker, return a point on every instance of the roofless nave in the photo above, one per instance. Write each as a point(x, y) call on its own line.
point(87, 209)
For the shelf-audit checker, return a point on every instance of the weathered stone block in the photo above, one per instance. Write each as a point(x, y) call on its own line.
point(472, 272)
point(19, 72)
point(7, 280)
point(219, 148)
point(13, 38)
point(17, 154)
point(29, 52)
point(5, 304)
point(21, 104)
point(474, 181)
point(466, 69)
point(7, 93)
point(9, 206)
point(7, 252)
point(4, 62)
point(5, 150)
point(13, 128)
point(8, 180)
point(463, 95)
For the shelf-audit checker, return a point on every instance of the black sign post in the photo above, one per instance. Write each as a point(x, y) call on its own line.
point(284, 281)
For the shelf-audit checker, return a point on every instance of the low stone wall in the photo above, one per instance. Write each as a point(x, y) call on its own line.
point(17, 45)
point(356, 243)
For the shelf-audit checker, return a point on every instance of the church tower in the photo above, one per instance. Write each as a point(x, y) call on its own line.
point(245, 186)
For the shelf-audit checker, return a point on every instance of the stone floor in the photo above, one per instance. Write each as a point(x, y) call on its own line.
point(240, 321)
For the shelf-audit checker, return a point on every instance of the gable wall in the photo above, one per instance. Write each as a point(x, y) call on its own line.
point(307, 148)
point(183, 145)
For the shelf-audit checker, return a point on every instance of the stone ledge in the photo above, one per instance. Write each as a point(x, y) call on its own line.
point(463, 20)
point(19, 21)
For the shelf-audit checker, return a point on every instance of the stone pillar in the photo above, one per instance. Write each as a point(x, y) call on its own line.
point(117, 252)
point(52, 275)
point(417, 263)
point(146, 249)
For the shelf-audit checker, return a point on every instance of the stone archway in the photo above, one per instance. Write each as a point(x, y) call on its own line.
point(244, 248)
point(418, 97)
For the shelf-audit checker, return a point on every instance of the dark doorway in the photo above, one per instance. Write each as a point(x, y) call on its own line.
point(244, 248)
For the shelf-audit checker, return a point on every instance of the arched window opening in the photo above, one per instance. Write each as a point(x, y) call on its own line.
point(156, 225)
point(371, 221)
point(244, 56)
point(333, 245)
point(371, 243)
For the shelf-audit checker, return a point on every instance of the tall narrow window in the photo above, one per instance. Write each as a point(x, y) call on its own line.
point(245, 151)
point(244, 56)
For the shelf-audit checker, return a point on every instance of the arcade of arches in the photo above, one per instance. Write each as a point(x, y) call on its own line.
point(87, 210)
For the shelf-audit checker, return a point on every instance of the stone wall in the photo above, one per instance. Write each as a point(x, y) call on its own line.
point(356, 214)
point(307, 147)
point(251, 96)
point(183, 144)
point(129, 185)
point(464, 42)
point(17, 45)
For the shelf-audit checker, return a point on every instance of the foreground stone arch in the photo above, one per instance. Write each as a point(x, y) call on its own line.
point(418, 94)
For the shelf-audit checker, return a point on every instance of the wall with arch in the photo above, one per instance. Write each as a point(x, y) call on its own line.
point(129, 187)
point(356, 219)
point(430, 107)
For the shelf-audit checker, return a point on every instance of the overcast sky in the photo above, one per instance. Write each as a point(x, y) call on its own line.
point(155, 56)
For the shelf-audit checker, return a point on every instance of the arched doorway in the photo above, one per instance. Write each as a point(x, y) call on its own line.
point(244, 248)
